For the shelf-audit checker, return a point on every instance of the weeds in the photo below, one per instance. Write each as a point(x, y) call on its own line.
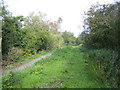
point(102, 63)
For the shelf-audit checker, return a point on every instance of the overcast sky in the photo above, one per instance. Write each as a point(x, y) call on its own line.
point(71, 11)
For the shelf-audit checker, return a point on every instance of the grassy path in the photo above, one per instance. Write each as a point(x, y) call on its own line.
point(66, 68)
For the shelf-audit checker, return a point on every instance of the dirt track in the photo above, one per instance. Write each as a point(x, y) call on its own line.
point(24, 64)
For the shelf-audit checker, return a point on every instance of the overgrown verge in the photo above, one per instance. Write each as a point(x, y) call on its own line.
point(103, 64)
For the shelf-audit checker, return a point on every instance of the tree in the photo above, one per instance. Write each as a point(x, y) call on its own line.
point(69, 38)
point(40, 33)
point(103, 32)
point(81, 38)
point(23, 36)
point(11, 32)
point(103, 27)
point(55, 25)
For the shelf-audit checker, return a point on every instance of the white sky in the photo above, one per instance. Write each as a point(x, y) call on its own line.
point(71, 11)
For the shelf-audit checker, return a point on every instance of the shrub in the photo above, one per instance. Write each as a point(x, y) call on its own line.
point(106, 60)
point(15, 54)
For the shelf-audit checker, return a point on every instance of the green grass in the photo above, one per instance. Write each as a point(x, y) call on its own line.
point(66, 68)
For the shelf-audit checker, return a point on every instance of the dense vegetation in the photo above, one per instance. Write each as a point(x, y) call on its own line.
point(94, 64)
point(69, 38)
point(66, 68)
point(26, 36)
point(102, 26)
point(23, 41)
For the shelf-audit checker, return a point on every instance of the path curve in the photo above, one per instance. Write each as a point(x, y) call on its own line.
point(25, 64)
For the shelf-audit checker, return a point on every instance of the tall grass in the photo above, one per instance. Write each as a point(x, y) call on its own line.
point(103, 64)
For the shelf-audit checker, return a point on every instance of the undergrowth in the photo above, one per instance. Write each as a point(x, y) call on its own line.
point(103, 64)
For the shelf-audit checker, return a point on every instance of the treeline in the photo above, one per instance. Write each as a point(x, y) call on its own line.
point(26, 36)
point(101, 35)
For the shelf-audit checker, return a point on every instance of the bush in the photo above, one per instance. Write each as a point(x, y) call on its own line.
point(15, 54)
point(107, 61)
